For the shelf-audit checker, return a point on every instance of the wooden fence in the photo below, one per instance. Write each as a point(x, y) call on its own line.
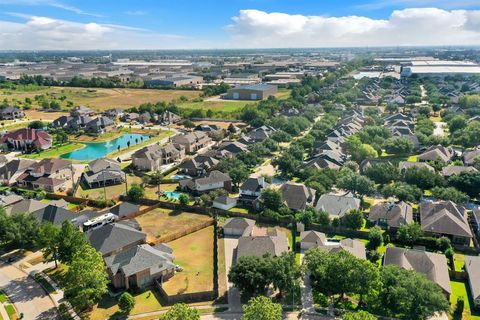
point(184, 232)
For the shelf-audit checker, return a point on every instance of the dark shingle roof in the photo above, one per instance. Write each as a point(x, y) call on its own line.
point(113, 237)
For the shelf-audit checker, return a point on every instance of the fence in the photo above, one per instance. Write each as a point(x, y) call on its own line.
point(186, 297)
point(184, 232)
point(340, 231)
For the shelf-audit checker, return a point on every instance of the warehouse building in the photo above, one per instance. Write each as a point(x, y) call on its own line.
point(439, 68)
point(251, 92)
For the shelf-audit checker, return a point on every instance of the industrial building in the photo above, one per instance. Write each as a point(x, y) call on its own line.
point(251, 92)
point(439, 68)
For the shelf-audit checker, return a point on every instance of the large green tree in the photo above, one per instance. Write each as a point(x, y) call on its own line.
point(70, 241)
point(181, 311)
point(272, 199)
point(49, 240)
point(251, 275)
point(262, 308)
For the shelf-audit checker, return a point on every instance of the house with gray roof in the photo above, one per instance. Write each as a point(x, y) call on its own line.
point(124, 210)
point(257, 135)
point(103, 172)
point(472, 267)
point(258, 246)
point(354, 247)
point(251, 190)
point(152, 157)
point(192, 141)
point(224, 202)
point(238, 227)
point(337, 204)
point(113, 238)
point(55, 215)
point(391, 215)
point(437, 153)
point(213, 181)
point(404, 165)
point(10, 171)
point(449, 171)
point(433, 265)
point(312, 239)
point(198, 166)
point(297, 196)
point(10, 113)
point(445, 218)
point(25, 206)
point(168, 117)
point(139, 267)
point(469, 156)
point(326, 159)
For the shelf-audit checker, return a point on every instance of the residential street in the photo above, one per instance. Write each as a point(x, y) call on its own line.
point(27, 295)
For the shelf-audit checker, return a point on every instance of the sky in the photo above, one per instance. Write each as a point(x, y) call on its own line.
point(202, 24)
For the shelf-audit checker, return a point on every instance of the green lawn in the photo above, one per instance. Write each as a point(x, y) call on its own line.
point(413, 158)
point(54, 152)
point(459, 289)
point(158, 137)
point(12, 314)
point(112, 191)
point(3, 297)
point(459, 260)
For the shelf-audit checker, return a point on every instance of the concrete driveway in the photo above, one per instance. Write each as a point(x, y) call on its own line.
point(26, 294)
point(233, 294)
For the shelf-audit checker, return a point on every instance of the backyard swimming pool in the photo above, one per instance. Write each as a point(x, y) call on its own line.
point(172, 194)
point(95, 150)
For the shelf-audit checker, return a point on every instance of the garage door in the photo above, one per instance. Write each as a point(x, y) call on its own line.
point(253, 96)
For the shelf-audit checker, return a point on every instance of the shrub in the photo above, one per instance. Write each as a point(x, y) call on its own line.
point(126, 302)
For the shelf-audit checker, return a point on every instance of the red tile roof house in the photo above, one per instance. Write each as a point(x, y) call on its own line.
point(27, 140)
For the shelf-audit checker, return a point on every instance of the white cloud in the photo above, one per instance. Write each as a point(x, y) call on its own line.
point(51, 3)
point(38, 33)
point(415, 26)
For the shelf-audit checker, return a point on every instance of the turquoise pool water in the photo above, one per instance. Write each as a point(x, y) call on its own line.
point(172, 194)
point(96, 150)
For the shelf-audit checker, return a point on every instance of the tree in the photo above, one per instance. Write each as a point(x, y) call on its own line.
point(450, 194)
point(156, 179)
point(126, 302)
point(375, 238)
point(37, 124)
point(251, 275)
point(359, 151)
point(49, 241)
point(360, 315)
point(262, 308)
point(383, 172)
point(398, 145)
point(356, 183)
point(183, 199)
point(467, 182)
point(70, 241)
point(238, 175)
point(135, 193)
point(402, 191)
point(181, 311)
point(323, 218)
point(421, 177)
point(272, 199)
point(86, 277)
point(409, 295)
point(352, 220)
point(456, 123)
point(409, 233)
point(285, 273)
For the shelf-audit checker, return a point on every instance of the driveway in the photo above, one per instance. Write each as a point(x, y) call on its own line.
point(234, 303)
point(26, 294)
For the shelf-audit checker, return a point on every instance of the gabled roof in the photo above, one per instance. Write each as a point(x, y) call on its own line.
point(259, 246)
point(239, 223)
point(311, 236)
point(403, 165)
point(138, 259)
point(395, 214)
point(113, 237)
point(435, 153)
point(469, 156)
point(14, 166)
point(55, 215)
point(49, 166)
point(104, 164)
point(124, 209)
point(26, 206)
point(254, 184)
point(454, 170)
point(472, 266)
point(297, 196)
point(444, 217)
point(355, 247)
point(433, 265)
point(337, 204)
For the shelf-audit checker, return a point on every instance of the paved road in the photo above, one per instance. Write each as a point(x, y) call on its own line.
point(233, 294)
point(27, 295)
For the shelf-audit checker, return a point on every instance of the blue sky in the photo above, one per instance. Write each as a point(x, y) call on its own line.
point(230, 23)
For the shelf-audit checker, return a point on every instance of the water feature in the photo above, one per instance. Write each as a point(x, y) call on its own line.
point(172, 195)
point(95, 150)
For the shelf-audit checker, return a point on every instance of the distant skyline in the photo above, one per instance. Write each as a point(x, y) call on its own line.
point(182, 24)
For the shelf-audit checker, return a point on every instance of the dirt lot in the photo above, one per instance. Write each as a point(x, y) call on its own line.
point(194, 253)
point(44, 116)
point(99, 98)
point(161, 222)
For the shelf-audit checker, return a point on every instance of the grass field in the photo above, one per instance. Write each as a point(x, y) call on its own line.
point(112, 191)
point(161, 222)
point(54, 152)
point(459, 289)
point(98, 98)
point(194, 253)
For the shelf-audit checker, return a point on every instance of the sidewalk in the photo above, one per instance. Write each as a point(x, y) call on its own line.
point(3, 312)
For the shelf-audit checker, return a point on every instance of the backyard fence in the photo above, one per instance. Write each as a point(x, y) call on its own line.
point(184, 232)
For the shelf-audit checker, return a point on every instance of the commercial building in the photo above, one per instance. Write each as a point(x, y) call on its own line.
point(251, 92)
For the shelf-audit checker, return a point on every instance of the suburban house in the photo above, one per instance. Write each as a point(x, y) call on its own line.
point(71, 123)
point(101, 124)
point(27, 140)
point(251, 190)
point(224, 202)
point(198, 166)
point(274, 243)
point(139, 266)
point(168, 117)
point(56, 215)
point(79, 111)
point(297, 196)
point(9, 199)
point(32, 205)
point(404, 165)
point(230, 148)
point(445, 218)
point(214, 180)
point(152, 157)
point(251, 92)
point(11, 113)
point(469, 156)
point(314, 239)
point(129, 117)
point(472, 267)
point(124, 210)
point(391, 215)
point(325, 159)
point(437, 153)
point(433, 265)
point(257, 135)
point(449, 171)
point(193, 141)
point(103, 172)
point(238, 227)
point(10, 171)
point(48, 174)
point(337, 204)
point(113, 238)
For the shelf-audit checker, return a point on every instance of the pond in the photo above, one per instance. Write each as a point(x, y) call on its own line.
point(95, 150)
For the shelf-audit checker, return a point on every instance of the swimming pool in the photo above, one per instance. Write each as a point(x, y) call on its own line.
point(172, 194)
point(95, 150)
point(180, 177)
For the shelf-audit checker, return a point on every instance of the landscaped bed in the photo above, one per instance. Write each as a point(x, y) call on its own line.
point(163, 222)
point(194, 253)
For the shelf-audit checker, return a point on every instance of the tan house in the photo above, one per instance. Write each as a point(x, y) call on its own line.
point(193, 141)
point(48, 174)
point(151, 158)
